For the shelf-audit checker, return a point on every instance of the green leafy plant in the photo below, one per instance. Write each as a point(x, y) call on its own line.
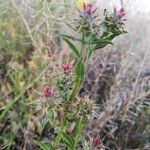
point(70, 108)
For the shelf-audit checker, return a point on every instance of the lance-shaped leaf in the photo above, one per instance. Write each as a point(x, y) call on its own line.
point(101, 43)
point(70, 37)
point(79, 126)
point(107, 38)
point(80, 70)
point(67, 140)
point(72, 47)
point(43, 146)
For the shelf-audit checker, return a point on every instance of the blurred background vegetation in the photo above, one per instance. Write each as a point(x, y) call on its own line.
point(30, 46)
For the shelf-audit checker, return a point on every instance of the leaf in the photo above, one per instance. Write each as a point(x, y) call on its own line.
point(102, 44)
point(80, 123)
point(73, 28)
point(80, 73)
point(67, 140)
point(43, 146)
point(70, 37)
point(106, 38)
point(79, 126)
point(80, 70)
point(73, 48)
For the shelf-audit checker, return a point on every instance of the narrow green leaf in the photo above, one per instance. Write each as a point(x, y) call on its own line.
point(79, 127)
point(70, 26)
point(106, 38)
point(67, 140)
point(80, 123)
point(80, 69)
point(80, 73)
point(42, 145)
point(73, 48)
point(70, 37)
point(102, 44)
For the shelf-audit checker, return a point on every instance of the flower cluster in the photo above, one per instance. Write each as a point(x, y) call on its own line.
point(48, 92)
point(97, 142)
point(67, 68)
point(87, 9)
point(120, 13)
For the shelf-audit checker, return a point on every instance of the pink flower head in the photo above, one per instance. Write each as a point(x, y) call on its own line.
point(121, 13)
point(97, 143)
point(67, 68)
point(88, 9)
point(48, 92)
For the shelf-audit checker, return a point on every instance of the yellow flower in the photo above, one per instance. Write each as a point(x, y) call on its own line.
point(87, 1)
point(32, 64)
point(80, 3)
point(21, 84)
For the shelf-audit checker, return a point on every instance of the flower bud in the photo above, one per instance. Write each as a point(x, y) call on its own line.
point(88, 9)
point(121, 13)
point(97, 143)
point(48, 92)
point(67, 68)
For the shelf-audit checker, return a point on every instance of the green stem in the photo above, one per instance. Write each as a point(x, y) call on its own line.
point(75, 90)
point(81, 68)
point(79, 78)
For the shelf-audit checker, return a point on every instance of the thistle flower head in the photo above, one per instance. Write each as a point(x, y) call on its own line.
point(88, 9)
point(97, 143)
point(48, 92)
point(120, 13)
point(67, 68)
